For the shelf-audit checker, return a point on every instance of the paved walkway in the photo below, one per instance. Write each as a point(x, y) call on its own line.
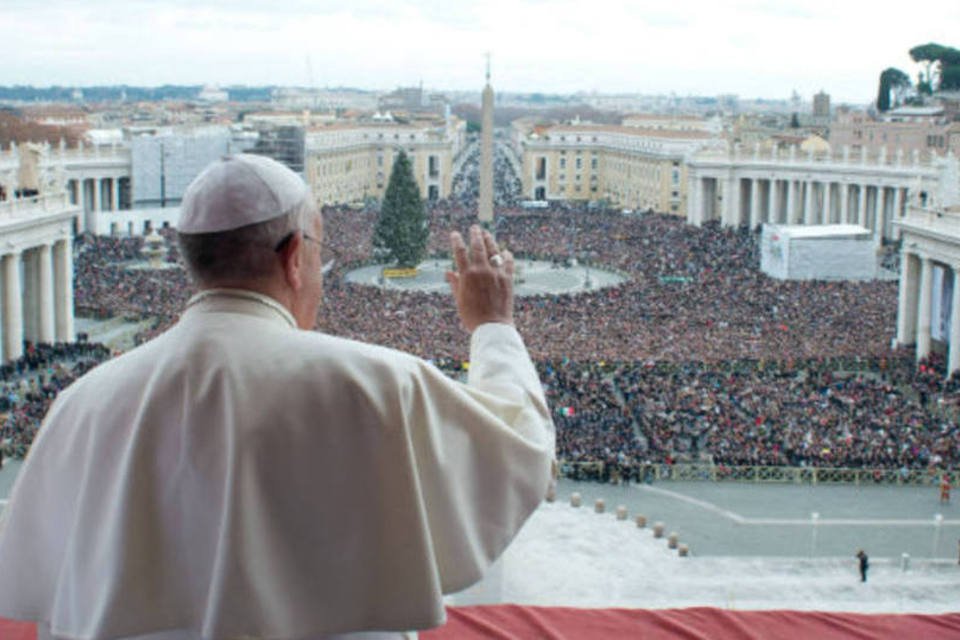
point(116, 333)
point(743, 519)
point(536, 277)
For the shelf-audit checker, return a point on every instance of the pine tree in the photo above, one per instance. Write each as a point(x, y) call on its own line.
point(401, 231)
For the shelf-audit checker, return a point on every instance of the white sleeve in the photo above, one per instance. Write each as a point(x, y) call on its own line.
point(484, 453)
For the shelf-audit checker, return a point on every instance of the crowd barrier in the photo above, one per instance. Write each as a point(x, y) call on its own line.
point(642, 472)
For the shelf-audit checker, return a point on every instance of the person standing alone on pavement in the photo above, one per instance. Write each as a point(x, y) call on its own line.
point(864, 564)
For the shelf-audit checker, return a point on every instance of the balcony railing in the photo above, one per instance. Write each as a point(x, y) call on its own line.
point(21, 207)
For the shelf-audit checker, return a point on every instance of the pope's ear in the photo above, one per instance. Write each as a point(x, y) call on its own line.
point(291, 260)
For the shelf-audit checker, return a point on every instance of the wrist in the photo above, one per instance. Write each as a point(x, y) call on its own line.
point(507, 320)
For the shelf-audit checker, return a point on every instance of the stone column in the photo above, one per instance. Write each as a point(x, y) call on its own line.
point(728, 214)
point(12, 310)
point(827, 203)
point(862, 205)
point(700, 211)
point(96, 194)
point(764, 186)
point(694, 198)
point(46, 294)
point(86, 194)
point(880, 217)
point(907, 307)
point(108, 186)
point(844, 203)
point(808, 203)
point(30, 301)
point(711, 187)
point(897, 210)
point(63, 290)
point(773, 201)
point(791, 198)
point(90, 213)
point(116, 193)
point(754, 203)
point(953, 360)
point(924, 308)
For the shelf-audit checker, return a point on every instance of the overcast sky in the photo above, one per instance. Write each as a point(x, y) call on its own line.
point(754, 48)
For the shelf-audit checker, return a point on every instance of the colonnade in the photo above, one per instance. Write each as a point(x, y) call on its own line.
point(753, 201)
point(94, 195)
point(915, 310)
point(740, 188)
point(37, 296)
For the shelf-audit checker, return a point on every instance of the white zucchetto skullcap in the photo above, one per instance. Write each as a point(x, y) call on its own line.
point(239, 190)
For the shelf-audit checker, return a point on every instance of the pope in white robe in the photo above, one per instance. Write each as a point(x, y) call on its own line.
point(242, 477)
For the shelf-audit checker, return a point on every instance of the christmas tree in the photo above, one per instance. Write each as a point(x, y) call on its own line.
point(401, 232)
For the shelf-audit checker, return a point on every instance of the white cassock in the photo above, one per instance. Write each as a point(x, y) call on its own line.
point(239, 478)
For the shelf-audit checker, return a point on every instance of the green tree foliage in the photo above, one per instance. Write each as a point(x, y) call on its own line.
point(401, 232)
point(950, 70)
point(941, 67)
point(890, 80)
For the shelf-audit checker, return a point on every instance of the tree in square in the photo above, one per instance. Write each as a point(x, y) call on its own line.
point(401, 232)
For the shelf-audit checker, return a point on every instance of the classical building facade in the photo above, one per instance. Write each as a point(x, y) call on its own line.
point(96, 178)
point(351, 162)
point(133, 186)
point(929, 305)
point(925, 130)
point(751, 187)
point(626, 166)
point(36, 284)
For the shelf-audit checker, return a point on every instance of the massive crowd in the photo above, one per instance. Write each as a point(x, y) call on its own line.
point(29, 384)
point(466, 181)
point(698, 356)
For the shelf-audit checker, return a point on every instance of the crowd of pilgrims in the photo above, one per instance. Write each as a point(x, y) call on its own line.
point(697, 357)
point(30, 383)
point(506, 182)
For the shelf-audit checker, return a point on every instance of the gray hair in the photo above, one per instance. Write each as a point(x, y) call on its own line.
point(245, 253)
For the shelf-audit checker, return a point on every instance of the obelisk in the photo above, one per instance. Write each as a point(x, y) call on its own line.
point(485, 205)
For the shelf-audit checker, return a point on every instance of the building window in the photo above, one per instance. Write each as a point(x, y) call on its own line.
point(594, 162)
point(563, 163)
point(579, 163)
point(541, 168)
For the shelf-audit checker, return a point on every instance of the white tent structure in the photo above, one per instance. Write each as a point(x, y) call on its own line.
point(820, 252)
